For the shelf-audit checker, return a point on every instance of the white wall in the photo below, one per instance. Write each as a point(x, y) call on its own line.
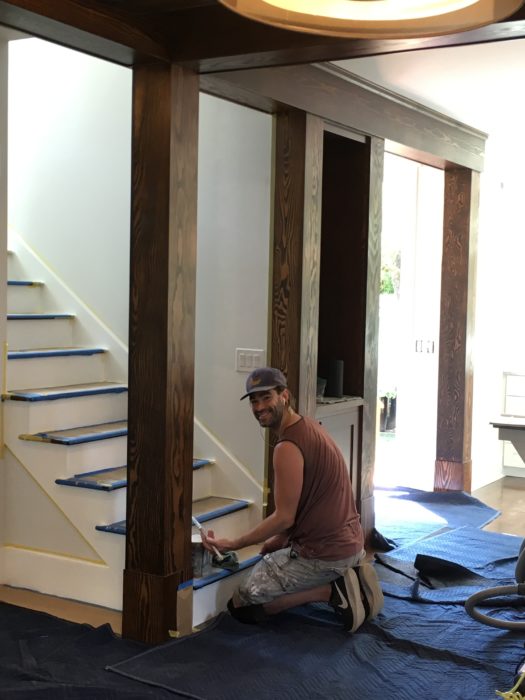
point(500, 331)
point(69, 170)
point(235, 147)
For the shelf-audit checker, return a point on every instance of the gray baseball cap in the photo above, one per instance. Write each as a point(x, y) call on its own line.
point(263, 379)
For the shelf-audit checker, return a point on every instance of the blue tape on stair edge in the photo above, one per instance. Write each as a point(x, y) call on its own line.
point(224, 573)
point(81, 484)
point(36, 317)
point(66, 352)
point(199, 463)
point(118, 528)
point(93, 437)
point(33, 396)
point(225, 510)
point(185, 584)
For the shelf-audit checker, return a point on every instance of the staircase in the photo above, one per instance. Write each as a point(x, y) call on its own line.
point(65, 416)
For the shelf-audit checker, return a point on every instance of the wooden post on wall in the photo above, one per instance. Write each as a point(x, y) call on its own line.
point(161, 360)
point(454, 429)
point(365, 494)
point(296, 233)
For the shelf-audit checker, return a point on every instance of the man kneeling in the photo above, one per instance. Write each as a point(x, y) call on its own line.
point(313, 541)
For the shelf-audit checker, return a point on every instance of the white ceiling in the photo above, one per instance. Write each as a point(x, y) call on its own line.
point(481, 85)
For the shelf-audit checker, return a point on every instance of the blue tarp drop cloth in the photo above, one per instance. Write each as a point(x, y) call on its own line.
point(404, 515)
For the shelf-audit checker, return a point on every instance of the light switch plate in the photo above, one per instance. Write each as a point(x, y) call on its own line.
point(247, 359)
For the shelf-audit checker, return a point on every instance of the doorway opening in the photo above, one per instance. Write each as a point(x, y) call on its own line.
point(409, 317)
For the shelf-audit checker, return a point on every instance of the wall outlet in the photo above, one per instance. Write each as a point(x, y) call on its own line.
point(247, 359)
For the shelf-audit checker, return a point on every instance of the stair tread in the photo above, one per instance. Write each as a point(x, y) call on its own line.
point(31, 353)
point(38, 316)
point(212, 507)
point(248, 556)
point(229, 505)
point(105, 479)
point(74, 436)
point(100, 480)
point(66, 392)
point(24, 283)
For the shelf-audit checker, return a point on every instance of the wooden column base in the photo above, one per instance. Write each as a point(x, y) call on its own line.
point(150, 606)
point(453, 476)
point(367, 517)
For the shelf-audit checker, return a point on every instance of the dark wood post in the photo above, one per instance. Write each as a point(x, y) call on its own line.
point(161, 358)
point(454, 423)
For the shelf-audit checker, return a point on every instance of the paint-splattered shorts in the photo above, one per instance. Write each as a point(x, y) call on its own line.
point(284, 571)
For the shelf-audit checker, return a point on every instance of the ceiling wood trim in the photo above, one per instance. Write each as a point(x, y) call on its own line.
point(345, 99)
point(206, 36)
point(88, 29)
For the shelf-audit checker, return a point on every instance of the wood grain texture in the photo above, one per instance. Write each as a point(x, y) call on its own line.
point(287, 259)
point(454, 419)
point(311, 266)
point(90, 27)
point(162, 328)
point(205, 36)
point(287, 255)
point(150, 624)
point(329, 92)
point(371, 329)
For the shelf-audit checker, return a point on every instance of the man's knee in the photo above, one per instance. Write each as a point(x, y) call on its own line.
point(248, 614)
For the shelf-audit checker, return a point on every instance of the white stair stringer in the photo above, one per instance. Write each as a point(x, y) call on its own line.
point(229, 477)
point(46, 550)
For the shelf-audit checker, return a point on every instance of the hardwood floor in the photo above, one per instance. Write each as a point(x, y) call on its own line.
point(506, 495)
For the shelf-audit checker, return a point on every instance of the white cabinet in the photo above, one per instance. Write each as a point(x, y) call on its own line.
point(342, 420)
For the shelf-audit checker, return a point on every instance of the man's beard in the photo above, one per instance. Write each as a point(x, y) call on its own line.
point(273, 421)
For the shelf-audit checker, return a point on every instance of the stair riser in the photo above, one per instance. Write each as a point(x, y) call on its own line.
point(42, 333)
point(66, 577)
point(75, 458)
point(83, 510)
point(55, 371)
point(210, 600)
point(37, 416)
point(202, 482)
point(90, 507)
point(22, 300)
point(231, 525)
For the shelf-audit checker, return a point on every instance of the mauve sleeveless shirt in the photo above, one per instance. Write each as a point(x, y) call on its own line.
point(327, 524)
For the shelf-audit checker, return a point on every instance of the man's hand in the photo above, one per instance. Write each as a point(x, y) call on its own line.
point(223, 545)
point(274, 543)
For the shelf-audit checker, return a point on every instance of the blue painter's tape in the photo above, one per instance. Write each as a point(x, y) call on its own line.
point(185, 584)
point(225, 510)
point(36, 317)
point(55, 352)
point(116, 528)
point(224, 573)
point(198, 463)
point(34, 396)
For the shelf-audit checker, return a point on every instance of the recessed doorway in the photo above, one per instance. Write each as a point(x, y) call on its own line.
point(409, 317)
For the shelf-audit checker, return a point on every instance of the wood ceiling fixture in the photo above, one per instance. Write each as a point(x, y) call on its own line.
point(206, 36)
point(375, 19)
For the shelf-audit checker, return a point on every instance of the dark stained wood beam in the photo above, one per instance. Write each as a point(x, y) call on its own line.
point(453, 469)
point(162, 348)
point(333, 94)
point(205, 35)
point(214, 39)
point(87, 27)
